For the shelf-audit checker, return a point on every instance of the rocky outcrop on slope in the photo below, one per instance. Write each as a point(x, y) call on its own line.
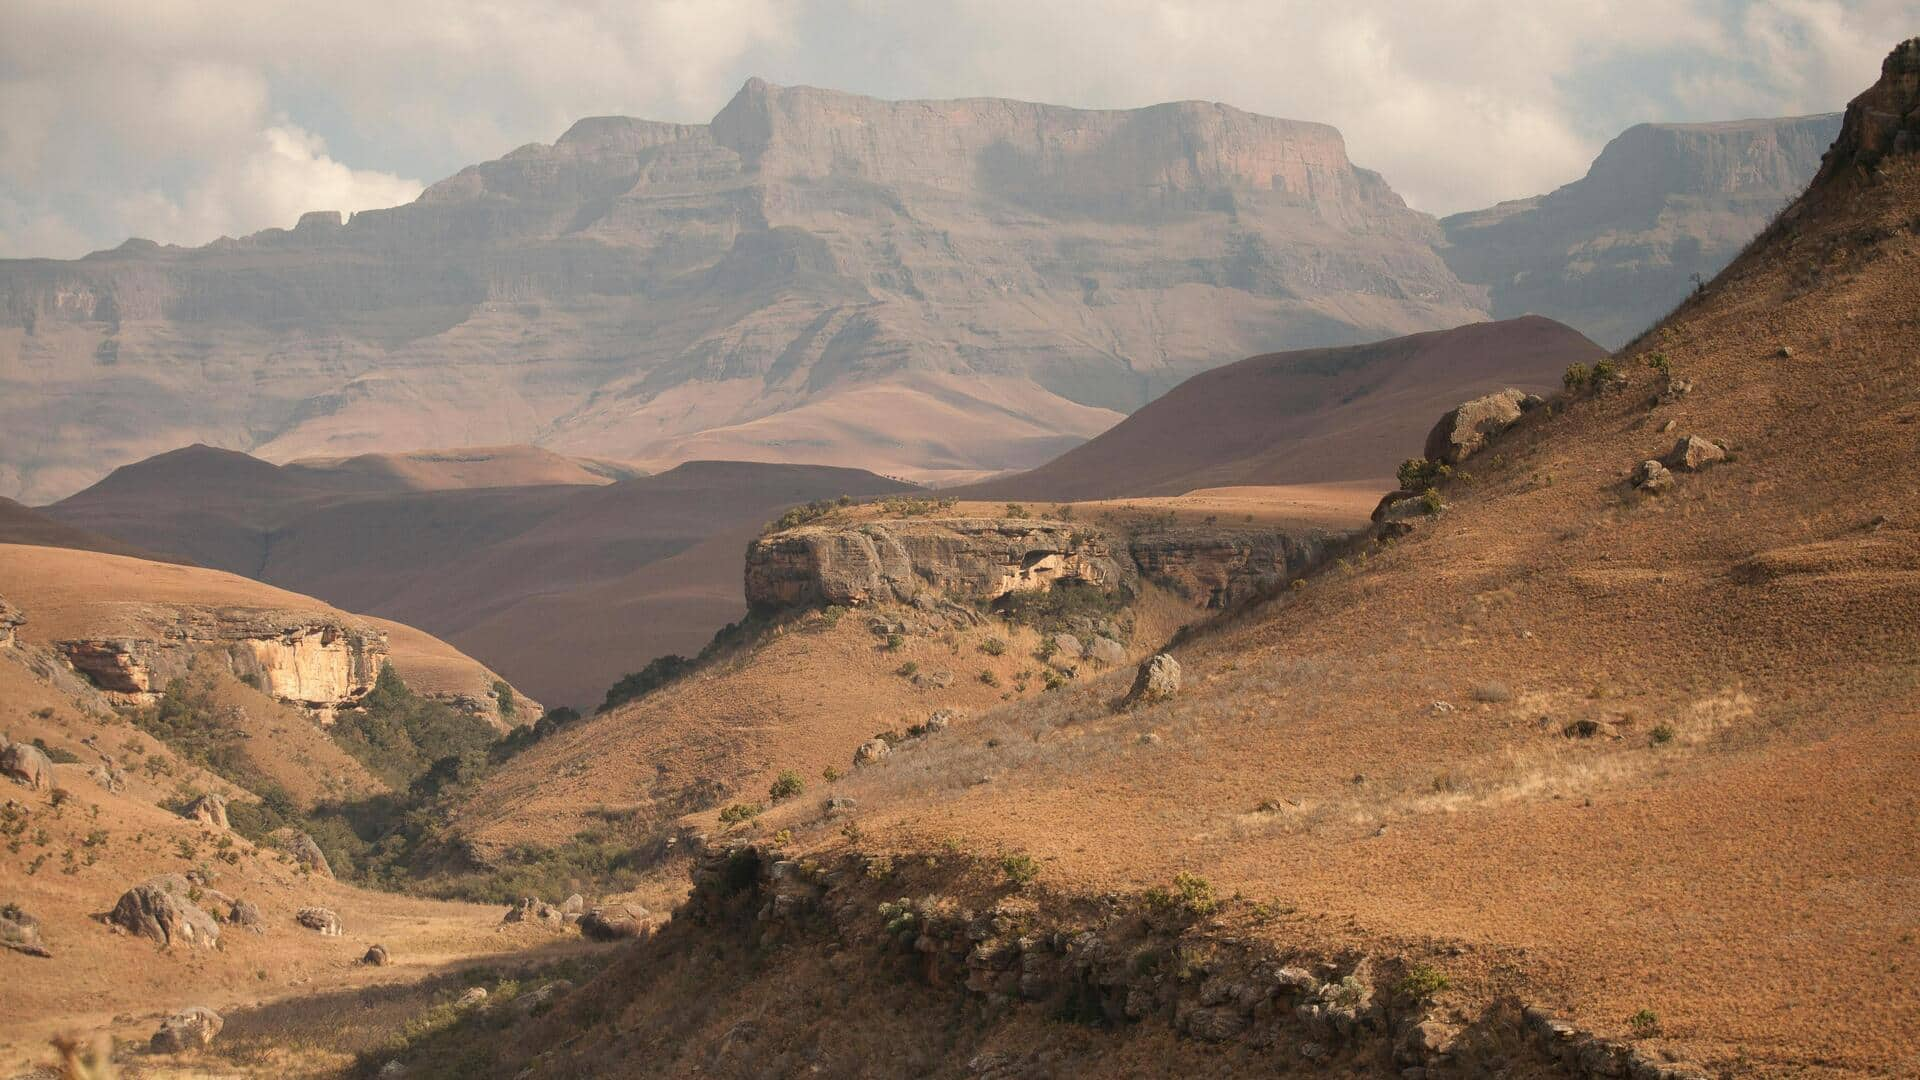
point(1466, 428)
point(11, 618)
point(1662, 206)
point(303, 658)
point(1219, 567)
point(1883, 121)
point(804, 244)
point(163, 909)
point(894, 560)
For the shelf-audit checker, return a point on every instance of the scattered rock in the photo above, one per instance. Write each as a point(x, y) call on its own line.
point(574, 904)
point(614, 922)
point(1692, 453)
point(1440, 708)
point(160, 908)
point(533, 1000)
point(933, 680)
point(20, 932)
point(1466, 428)
point(1668, 427)
point(377, 956)
point(212, 810)
point(25, 763)
point(841, 804)
point(319, 918)
point(1068, 646)
point(473, 996)
point(1157, 680)
point(111, 777)
point(1150, 738)
point(1785, 352)
point(1590, 729)
point(395, 1067)
point(532, 909)
point(1652, 477)
point(189, 1029)
point(871, 751)
point(1106, 651)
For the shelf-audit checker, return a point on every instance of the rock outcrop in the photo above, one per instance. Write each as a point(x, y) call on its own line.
point(20, 932)
point(210, 808)
point(1693, 453)
point(1157, 680)
point(319, 919)
point(11, 618)
point(894, 560)
point(1883, 121)
point(376, 956)
point(614, 922)
point(1468, 426)
point(304, 658)
point(306, 853)
point(162, 908)
point(25, 763)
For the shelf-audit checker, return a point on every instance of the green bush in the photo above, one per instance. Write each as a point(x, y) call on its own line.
point(1015, 510)
point(1191, 895)
point(993, 646)
point(806, 514)
point(739, 812)
point(1645, 1024)
point(1019, 868)
point(399, 736)
point(503, 697)
point(786, 786)
point(1422, 981)
point(1577, 377)
point(1419, 474)
point(659, 671)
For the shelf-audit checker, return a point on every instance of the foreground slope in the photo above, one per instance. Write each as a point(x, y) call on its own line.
point(1317, 416)
point(1662, 207)
point(925, 288)
point(1649, 762)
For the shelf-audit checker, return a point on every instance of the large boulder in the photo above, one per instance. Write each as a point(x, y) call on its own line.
point(320, 919)
point(189, 1029)
point(306, 852)
point(1692, 453)
point(210, 809)
point(1107, 651)
point(1652, 477)
point(870, 752)
point(162, 908)
point(25, 763)
point(1467, 427)
point(614, 922)
point(246, 914)
point(1157, 680)
point(377, 956)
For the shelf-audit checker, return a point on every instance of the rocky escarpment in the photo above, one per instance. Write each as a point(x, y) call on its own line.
point(304, 658)
point(964, 558)
point(1882, 121)
point(983, 559)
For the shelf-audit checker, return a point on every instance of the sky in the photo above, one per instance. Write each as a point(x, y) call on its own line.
point(185, 120)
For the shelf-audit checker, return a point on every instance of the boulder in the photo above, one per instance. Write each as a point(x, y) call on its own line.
point(162, 908)
point(532, 909)
point(1402, 507)
point(871, 751)
point(189, 1029)
point(320, 919)
point(111, 778)
point(614, 922)
point(20, 932)
point(534, 1000)
point(377, 956)
point(574, 905)
point(1467, 427)
point(474, 996)
point(25, 763)
point(1157, 680)
point(841, 804)
point(1067, 646)
point(307, 853)
point(212, 810)
point(246, 914)
point(1652, 477)
point(1692, 453)
point(1107, 651)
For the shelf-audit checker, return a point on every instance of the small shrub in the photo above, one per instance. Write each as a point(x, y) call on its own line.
point(1661, 734)
point(503, 697)
point(1645, 1024)
point(899, 916)
point(907, 670)
point(1422, 981)
point(832, 614)
point(989, 678)
point(1015, 510)
point(1491, 692)
point(57, 755)
point(1605, 372)
point(830, 774)
point(1419, 474)
point(1430, 501)
point(1659, 362)
point(1577, 377)
point(894, 642)
point(740, 812)
point(1020, 869)
point(1191, 895)
point(993, 646)
point(786, 786)
point(1051, 679)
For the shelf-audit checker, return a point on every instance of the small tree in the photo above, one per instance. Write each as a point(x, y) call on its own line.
point(786, 786)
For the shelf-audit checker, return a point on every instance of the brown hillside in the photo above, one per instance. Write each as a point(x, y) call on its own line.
point(25, 525)
point(1649, 762)
point(468, 467)
point(479, 566)
point(1315, 416)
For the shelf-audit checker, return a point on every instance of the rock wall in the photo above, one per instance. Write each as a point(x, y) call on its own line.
point(964, 558)
point(313, 661)
point(1218, 568)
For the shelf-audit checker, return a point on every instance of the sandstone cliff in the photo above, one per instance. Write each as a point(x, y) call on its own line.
point(1613, 251)
point(924, 288)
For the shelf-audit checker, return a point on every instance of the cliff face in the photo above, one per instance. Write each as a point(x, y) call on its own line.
point(302, 658)
point(975, 559)
point(973, 273)
point(964, 558)
point(1611, 252)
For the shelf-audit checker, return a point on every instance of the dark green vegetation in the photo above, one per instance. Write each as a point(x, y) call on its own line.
point(400, 736)
point(1059, 608)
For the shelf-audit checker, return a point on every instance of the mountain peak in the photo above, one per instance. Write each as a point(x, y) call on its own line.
point(1882, 121)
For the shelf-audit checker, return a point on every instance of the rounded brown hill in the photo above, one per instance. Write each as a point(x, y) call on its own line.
point(1310, 416)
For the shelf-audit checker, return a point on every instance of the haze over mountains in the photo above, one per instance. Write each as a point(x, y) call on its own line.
point(939, 290)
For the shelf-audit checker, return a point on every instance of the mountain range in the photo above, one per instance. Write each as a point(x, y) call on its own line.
point(942, 290)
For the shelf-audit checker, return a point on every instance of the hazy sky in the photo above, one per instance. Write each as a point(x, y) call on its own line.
point(181, 120)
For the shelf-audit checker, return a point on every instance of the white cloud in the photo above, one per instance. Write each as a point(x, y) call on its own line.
point(184, 119)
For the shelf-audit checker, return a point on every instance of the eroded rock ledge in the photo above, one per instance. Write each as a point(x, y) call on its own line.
point(983, 559)
point(313, 660)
